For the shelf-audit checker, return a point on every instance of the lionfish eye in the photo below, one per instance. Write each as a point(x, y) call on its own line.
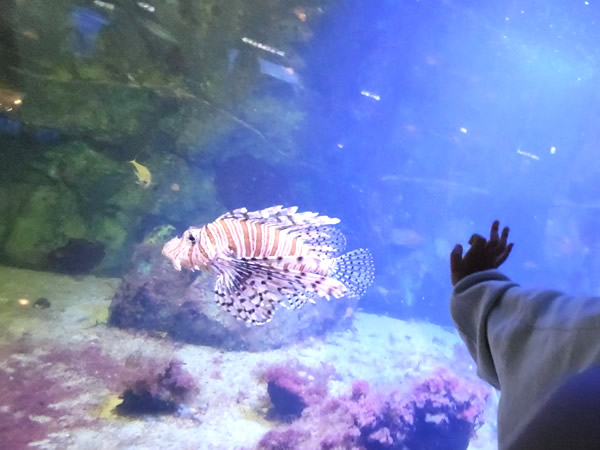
point(191, 238)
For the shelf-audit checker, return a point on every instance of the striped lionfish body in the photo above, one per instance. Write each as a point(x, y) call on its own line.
point(272, 257)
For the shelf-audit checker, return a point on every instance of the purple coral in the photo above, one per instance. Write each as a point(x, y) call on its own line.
point(289, 439)
point(360, 389)
point(441, 412)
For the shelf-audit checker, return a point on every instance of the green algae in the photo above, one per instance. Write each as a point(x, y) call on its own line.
point(48, 220)
point(160, 234)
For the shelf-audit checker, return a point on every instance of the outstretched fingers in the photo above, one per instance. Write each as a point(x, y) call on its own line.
point(498, 242)
point(483, 253)
point(456, 262)
point(456, 256)
point(504, 237)
point(502, 257)
point(494, 231)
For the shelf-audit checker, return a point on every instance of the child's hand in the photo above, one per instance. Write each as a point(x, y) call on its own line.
point(483, 254)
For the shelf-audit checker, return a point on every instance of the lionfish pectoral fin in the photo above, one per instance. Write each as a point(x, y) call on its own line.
point(298, 299)
point(240, 295)
point(275, 277)
point(251, 291)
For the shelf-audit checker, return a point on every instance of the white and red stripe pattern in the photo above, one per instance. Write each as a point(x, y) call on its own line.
point(275, 256)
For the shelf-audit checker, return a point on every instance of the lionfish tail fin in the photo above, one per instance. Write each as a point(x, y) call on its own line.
point(355, 270)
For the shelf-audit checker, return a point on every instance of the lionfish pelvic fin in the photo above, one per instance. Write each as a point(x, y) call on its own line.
point(298, 299)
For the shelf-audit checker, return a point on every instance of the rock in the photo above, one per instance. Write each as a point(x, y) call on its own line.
point(286, 404)
point(114, 233)
point(158, 393)
point(42, 303)
point(76, 257)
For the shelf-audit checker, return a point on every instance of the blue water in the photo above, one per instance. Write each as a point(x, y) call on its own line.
point(486, 111)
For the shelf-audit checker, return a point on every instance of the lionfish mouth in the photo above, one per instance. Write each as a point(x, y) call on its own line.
point(170, 251)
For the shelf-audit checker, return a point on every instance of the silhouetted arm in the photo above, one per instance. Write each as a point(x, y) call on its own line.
point(524, 342)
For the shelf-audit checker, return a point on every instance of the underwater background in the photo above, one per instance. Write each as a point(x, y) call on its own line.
point(416, 123)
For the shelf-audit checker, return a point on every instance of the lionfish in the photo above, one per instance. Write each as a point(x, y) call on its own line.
point(272, 257)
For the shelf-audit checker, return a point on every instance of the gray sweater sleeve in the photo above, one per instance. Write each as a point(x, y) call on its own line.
point(524, 342)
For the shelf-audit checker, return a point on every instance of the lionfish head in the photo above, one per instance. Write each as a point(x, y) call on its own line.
point(179, 249)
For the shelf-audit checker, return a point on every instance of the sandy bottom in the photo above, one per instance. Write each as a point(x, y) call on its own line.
point(61, 371)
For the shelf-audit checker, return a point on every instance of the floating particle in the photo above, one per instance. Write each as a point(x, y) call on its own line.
point(104, 5)
point(529, 155)
point(265, 47)
point(370, 95)
point(147, 6)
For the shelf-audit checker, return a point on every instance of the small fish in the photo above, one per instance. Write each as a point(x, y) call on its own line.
point(142, 173)
point(272, 257)
point(301, 14)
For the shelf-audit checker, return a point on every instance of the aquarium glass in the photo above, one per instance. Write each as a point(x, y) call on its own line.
point(416, 123)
